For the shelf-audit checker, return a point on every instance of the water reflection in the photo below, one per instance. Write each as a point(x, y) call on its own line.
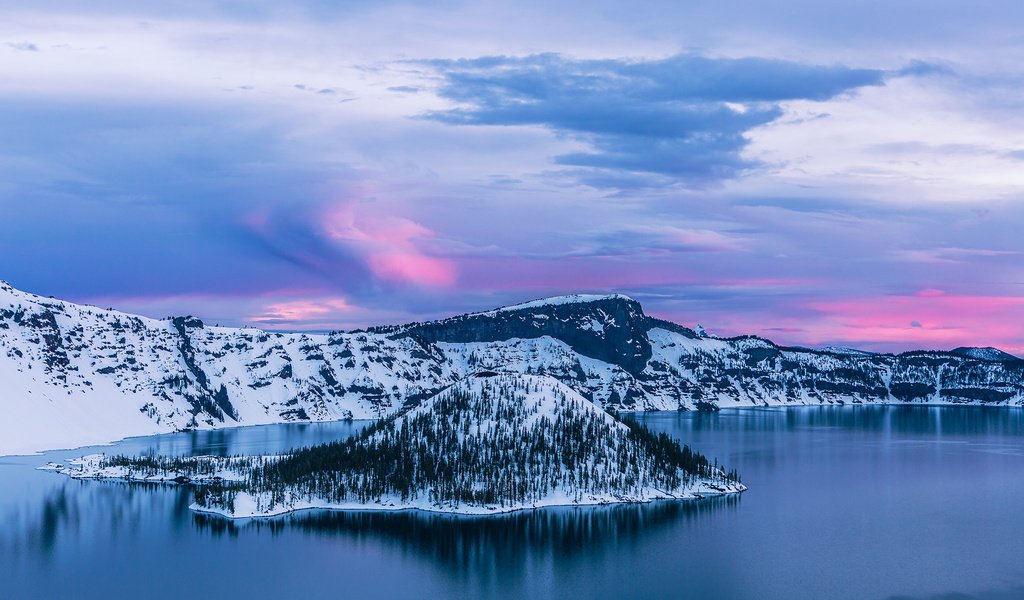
point(1013, 592)
point(101, 516)
point(900, 493)
point(41, 512)
point(473, 544)
point(69, 511)
point(897, 419)
point(260, 439)
point(75, 510)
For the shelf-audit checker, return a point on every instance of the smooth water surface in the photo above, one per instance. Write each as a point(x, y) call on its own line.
point(844, 502)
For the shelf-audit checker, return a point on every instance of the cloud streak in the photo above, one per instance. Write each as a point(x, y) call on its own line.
point(683, 118)
point(23, 46)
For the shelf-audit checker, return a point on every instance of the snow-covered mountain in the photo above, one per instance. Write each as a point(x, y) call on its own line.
point(72, 374)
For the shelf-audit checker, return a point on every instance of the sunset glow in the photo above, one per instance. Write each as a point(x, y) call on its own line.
point(818, 181)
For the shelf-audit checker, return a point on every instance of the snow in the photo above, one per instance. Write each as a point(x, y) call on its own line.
point(115, 383)
point(90, 467)
point(846, 351)
point(39, 417)
point(673, 346)
point(112, 375)
point(557, 301)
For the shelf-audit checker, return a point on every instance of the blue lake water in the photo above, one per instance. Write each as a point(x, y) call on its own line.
point(844, 502)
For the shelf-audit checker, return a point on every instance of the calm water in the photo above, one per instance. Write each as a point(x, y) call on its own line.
point(845, 502)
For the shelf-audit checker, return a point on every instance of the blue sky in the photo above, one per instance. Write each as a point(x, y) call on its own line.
point(840, 173)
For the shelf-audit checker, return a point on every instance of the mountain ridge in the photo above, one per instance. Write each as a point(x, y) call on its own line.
point(76, 374)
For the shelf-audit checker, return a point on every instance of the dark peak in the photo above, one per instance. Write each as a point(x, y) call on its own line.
point(655, 323)
point(748, 341)
point(987, 353)
point(563, 306)
point(611, 327)
point(596, 313)
point(187, 322)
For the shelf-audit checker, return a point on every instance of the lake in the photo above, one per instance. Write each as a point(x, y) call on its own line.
point(844, 502)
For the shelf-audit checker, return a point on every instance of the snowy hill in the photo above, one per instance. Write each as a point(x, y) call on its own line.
point(487, 444)
point(988, 353)
point(73, 375)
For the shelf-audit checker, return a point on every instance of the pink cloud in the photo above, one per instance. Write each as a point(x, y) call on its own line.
point(929, 319)
point(300, 310)
point(297, 308)
point(411, 267)
point(392, 247)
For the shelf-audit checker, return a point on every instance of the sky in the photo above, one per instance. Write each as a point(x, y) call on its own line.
point(842, 173)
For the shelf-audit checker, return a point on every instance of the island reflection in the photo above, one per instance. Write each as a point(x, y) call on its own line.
point(470, 544)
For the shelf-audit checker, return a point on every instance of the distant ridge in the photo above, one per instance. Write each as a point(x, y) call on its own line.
point(986, 353)
point(74, 374)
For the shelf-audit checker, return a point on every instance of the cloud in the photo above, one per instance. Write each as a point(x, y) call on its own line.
point(320, 91)
point(149, 205)
point(393, 247)
point(291, 312)
point(683, 118)
point(924, 68)
point(23, 46)
point(936, 321)
point(950, 255)
point(164, 184)
point(659, 240)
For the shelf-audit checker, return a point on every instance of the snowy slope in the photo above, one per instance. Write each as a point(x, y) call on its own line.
point(72, 375)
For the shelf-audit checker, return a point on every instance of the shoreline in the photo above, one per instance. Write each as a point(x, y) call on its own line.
point(87, 468)
point(102, 444)
point(456, 513)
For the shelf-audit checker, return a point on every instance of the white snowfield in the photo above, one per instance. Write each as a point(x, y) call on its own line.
point(73, 375)
point(543, 399)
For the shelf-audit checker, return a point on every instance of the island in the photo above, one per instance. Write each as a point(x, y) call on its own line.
point(490, 443)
